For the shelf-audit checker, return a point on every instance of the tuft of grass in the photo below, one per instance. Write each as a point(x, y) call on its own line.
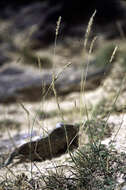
point(98, 129)
point(92, 166)
point(20, 182)
point(96, 167)
point(58, 180)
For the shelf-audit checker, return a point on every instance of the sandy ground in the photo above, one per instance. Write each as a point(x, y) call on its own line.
point(70, 106)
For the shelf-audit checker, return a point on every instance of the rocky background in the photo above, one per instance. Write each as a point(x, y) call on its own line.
point(30, 60)
point(27, 37)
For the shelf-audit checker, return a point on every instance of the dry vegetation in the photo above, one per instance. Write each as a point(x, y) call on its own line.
point(93, 166)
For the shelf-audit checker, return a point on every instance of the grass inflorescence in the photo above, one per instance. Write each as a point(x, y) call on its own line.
point(92, 166)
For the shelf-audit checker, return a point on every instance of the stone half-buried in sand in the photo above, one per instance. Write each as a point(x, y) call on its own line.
point(60, 140)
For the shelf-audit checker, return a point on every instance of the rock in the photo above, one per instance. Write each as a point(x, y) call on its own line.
point(44, 14)
point(80, 13)
point(18, 139)
point(25, 84)
point(84, 9)
point(107, 9)
point(63, 138)
point(3, 59)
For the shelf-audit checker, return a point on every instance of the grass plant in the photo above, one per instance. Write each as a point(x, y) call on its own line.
point(93, 166)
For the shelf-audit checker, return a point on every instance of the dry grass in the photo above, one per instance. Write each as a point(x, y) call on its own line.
point(93, 166)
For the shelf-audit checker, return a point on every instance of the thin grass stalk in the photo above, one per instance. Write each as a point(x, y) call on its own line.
point(29, 131)
point(53, 77)
point(56, 77)
point(90, 23)
point(84, 74)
